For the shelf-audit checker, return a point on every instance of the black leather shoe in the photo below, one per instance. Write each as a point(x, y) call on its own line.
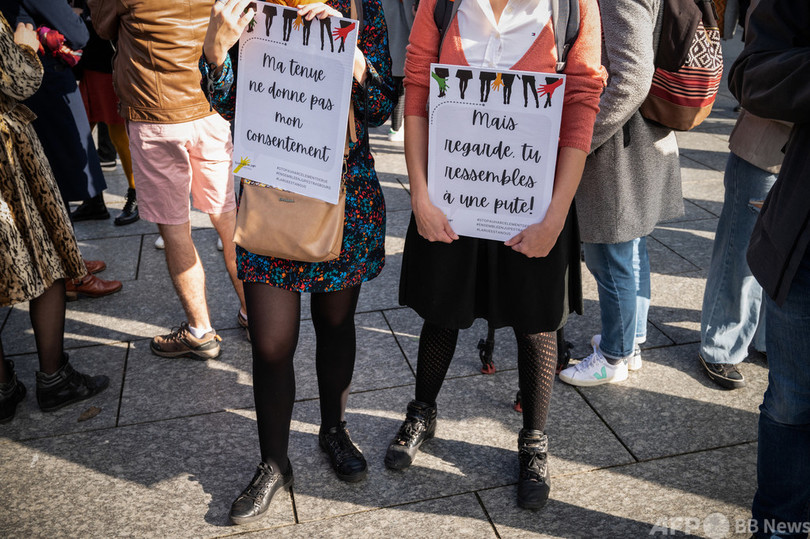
point(256, 498)
point(419, 426)
point(130, 213)
point(534, 482)
point(67, 386)
point(347, 461)
point(11, 394)
point(91, 209)
point(725, 375)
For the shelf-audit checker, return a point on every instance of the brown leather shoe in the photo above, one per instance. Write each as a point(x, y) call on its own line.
point(90, 286)
point(95, 266)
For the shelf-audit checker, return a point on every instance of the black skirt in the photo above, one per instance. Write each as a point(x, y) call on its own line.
point(451, 285)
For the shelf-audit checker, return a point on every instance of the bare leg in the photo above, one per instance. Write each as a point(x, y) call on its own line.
point(187, 273)
point(225, 223)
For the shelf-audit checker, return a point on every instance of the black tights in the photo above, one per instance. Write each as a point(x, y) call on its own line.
point(537, 360)
point(47, 313)
point(274, 319)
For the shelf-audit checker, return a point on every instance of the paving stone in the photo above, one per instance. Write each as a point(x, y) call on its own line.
point(691, 412)
point(700, 495)
point(454, 516)
point(396, 197)
point(692, 212)
point(474, 448)
point(706, 192)
point(106, 229)
point(153, 480)
point(142, 309)
point(676, 304)
point(708, 149)
point(120, 254)
point(30, 422)
point(161, 388)
point(693, 240)
point(407, 326)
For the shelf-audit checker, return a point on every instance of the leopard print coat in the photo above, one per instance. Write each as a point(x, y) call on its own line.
point(37, 245)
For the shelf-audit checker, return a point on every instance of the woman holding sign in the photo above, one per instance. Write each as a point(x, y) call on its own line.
point(530, 282)
point(273, 286)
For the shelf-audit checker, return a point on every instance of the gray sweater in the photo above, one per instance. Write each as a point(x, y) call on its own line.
point(632, 177)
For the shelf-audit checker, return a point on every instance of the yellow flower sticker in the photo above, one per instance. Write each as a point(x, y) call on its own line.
point(242, 162)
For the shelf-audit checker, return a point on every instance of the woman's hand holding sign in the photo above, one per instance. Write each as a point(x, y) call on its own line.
point(228, 19)
point(538, 239)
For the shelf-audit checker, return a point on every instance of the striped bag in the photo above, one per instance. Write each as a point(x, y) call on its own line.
point(688, 66)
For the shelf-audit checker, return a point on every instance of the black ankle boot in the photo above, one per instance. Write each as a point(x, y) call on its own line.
point(92, 208)
point(419, 426)
point(11, 394)
point(347, 461)
point(534, 482)
point(130, 213)
point(256, 498)
point(66, 386)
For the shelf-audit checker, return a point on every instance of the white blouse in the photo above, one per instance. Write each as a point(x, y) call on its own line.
point(500, 45)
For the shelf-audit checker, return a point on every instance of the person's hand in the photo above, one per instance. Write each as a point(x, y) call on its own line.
point(228, 20)
point(26, 35)
point(319, 10)
point(431, 222)
point(537, 240)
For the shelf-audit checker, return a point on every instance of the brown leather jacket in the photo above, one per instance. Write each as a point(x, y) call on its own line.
point(159, 42)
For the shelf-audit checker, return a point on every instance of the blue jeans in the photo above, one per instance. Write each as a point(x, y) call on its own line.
point(783, 454)
point(733, 298)
point(622, 273)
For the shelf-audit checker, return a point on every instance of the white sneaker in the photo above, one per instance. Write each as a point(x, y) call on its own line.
point(594, 370)
point(159, 243)
point(219, 244)
point(634, 361)
point(396, 136)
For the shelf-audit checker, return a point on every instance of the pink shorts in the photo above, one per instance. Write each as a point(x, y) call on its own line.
point(172, 161)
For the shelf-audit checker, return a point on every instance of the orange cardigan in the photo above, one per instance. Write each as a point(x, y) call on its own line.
point(585, 76)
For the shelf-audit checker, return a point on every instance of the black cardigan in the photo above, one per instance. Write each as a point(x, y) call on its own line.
point(771, 78)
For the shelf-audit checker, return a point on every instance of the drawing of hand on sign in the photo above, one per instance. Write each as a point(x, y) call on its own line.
point(552, 83)
point(440, 75)
point(497, 83)
point(342, 33)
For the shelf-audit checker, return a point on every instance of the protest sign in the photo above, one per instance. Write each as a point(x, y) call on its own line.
point(492, 155)
point(292, 101)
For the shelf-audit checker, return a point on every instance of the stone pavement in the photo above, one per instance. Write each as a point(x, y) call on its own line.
point(175, 440)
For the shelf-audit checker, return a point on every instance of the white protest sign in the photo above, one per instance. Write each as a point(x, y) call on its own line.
point(492, 153)
point(293, 93)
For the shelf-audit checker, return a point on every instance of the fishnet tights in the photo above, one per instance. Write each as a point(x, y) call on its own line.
point(537, 360)
point(436, 348)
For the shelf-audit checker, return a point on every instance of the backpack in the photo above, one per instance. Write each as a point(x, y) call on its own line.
point(564, 16)
point(688, 65)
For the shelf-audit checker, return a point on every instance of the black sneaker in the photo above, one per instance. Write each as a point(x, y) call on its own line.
point(534, 482)
point(347, 461)
point(419, 426)
point(67, 386)
point(725, 375)
point(256, 498)
point(11, 394)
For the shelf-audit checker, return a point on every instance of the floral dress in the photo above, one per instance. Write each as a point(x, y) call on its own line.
point(362, 254)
